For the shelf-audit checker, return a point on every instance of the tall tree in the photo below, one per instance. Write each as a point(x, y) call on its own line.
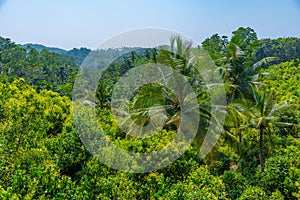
point(260, 115)
point(236, 60)
point(216, 47)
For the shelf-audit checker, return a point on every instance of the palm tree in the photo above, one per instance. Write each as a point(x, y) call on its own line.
point(179, 56)
point(196, 65)
point(153, 105)
point(236, 61)
point(152, 100)
point(147, 109)
point(260, 115)
point(241, 71)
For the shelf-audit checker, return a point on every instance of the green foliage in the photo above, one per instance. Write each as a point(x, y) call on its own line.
point(253, 193)
point(43, 70)
point(235, 183)
point(221, 158)
point(216, 47)
point(199, 185)
point(282, 172)
point(29, 169)
point(284, 79)
point(276, 196)
point(261, 115)
point(236, 61)
point(42, 155)
point(284, 49)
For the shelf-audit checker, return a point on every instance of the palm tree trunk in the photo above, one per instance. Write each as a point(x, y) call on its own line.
point(261, 149)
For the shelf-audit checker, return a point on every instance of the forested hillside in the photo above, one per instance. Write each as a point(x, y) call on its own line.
point(44, 70)
point(257, 156)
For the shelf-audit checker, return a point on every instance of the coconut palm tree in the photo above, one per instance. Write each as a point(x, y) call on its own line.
point(241, 71)
point(155, 106)
point(260, 115)
point(179, 56)
point(153, 97)
point(236, 61)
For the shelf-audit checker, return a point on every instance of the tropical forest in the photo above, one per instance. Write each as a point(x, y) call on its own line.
point(43, 154)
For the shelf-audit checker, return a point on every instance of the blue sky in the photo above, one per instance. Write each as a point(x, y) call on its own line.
point(77, 23)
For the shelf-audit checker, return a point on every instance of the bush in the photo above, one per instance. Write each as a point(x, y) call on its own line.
point(282, 173)
point(253, 193)
point(276, 195)
point(235, 183)
point(199, 185)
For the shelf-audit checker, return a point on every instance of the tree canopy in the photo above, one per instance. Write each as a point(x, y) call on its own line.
point(256, 157)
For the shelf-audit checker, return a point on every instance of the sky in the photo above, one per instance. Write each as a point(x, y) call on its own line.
point(76, 23)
